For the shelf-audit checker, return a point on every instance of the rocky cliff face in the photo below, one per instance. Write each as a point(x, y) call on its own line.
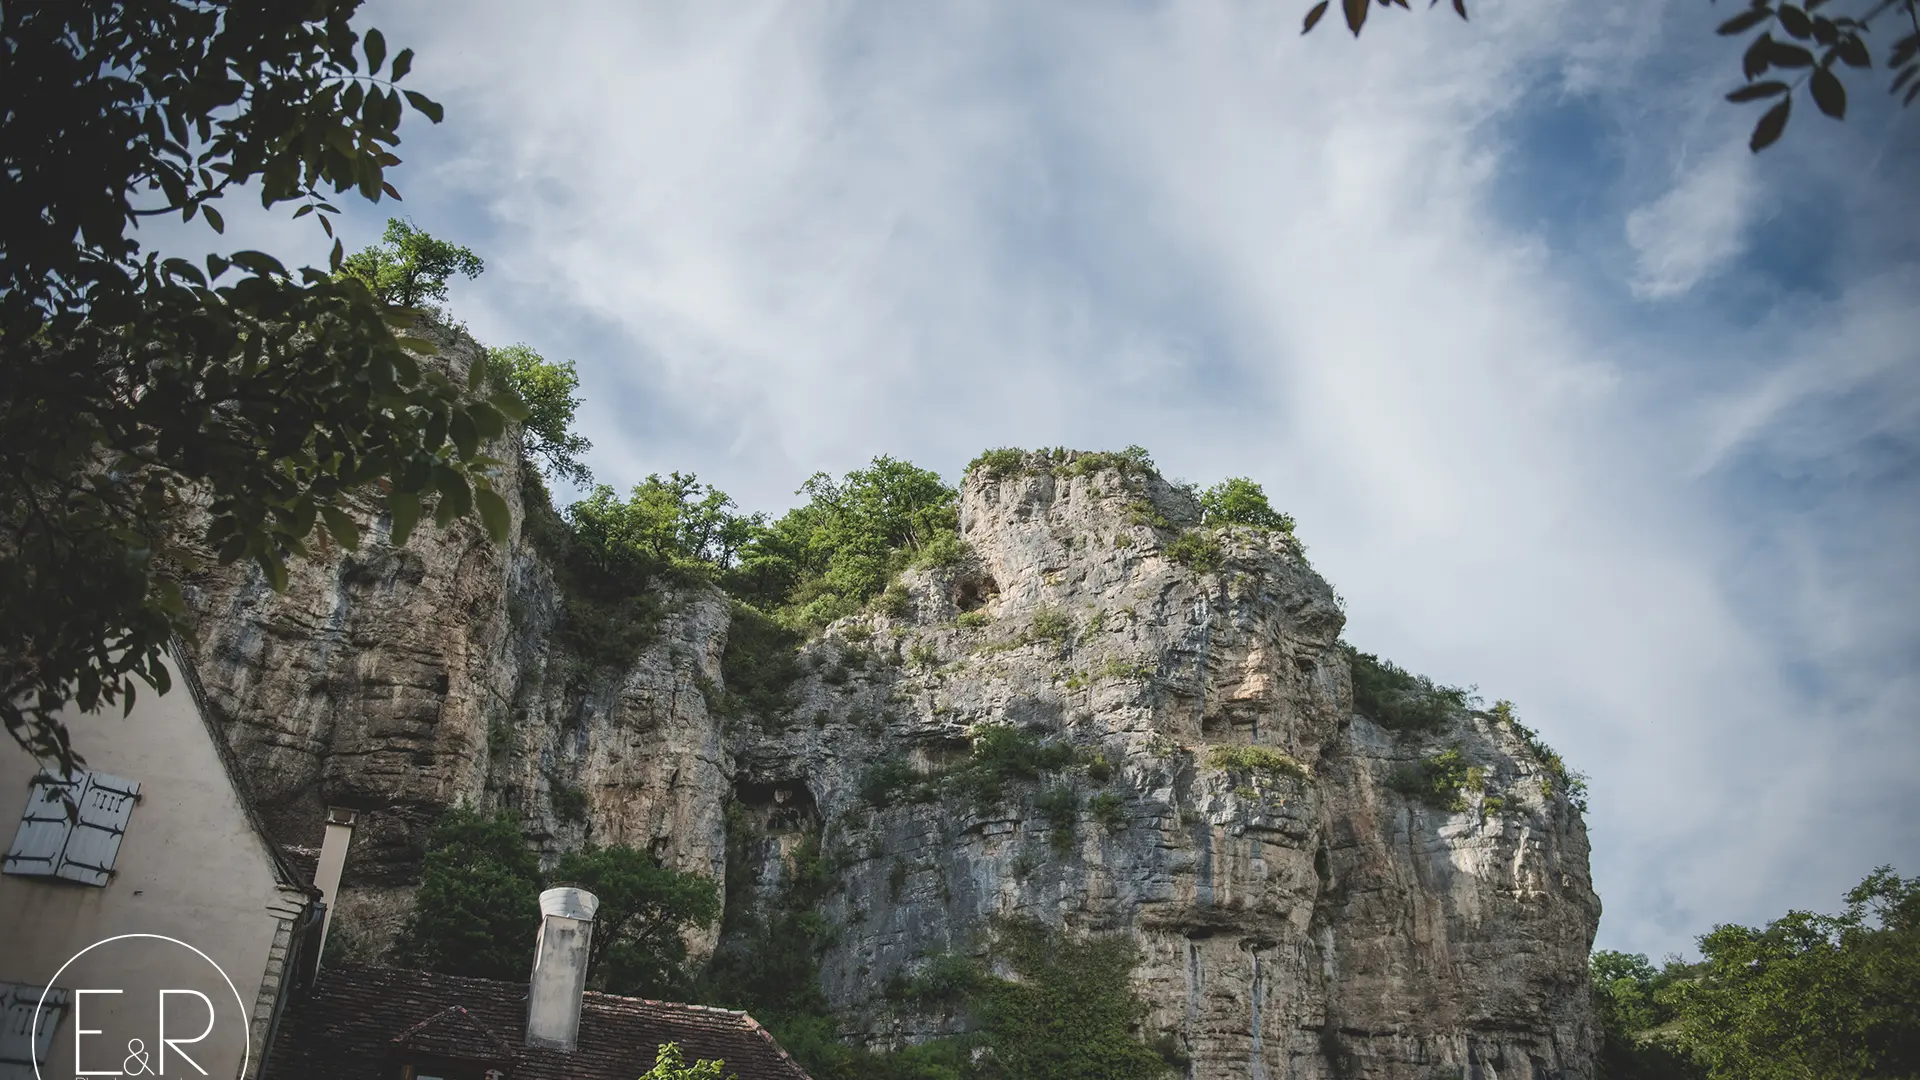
point(1300, 917)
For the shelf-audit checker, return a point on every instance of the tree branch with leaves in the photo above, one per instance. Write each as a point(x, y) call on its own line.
point(141, 392)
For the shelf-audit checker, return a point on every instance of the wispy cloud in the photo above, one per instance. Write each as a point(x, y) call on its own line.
point(1698, 226)
point(1644, 467)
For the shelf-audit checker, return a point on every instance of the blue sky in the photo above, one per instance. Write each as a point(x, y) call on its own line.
point(1574, 398)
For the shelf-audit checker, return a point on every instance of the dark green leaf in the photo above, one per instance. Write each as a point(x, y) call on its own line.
point(510, 406)
point(1745, 21)
point(419, 345)
point(1356, 11)
point(1767, 131)
point(427, 106)
point(275, 568)
point(1795, 22)
point(405, 508)
point(342, 527)
point(1900, 80)
point(1756, 91)
point(214, 219)
point(494, 514)
point(1829, 94)
point(465, 436)
point(376, 45)
point(402, 63)
point(487, 419)
point(1314, 15)
point(260, 263)
point(185, 269)
point(1852, 51)
point(1754, 63)
point(1789, 56)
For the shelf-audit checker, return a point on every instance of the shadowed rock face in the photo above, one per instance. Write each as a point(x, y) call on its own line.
point(1310, 925)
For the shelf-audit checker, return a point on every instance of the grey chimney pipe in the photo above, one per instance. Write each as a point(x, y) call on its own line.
point(326, 873)
point(560, 967)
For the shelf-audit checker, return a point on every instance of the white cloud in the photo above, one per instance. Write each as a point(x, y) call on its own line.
point(781, 238)
point(1698, 226)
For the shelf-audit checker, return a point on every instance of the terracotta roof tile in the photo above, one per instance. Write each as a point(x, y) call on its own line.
point(354, 1021)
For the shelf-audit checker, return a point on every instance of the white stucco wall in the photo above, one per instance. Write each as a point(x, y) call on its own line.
point(190, 867)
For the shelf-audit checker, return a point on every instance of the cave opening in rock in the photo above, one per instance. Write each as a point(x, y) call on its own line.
point(973, 593)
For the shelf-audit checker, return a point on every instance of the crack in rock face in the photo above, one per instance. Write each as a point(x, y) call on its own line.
point(1179, 763)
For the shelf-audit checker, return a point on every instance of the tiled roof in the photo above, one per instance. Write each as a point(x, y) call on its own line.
point(454, 1033)
point(352, 1021)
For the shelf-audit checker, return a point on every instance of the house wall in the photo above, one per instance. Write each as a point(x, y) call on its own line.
point(190, 867)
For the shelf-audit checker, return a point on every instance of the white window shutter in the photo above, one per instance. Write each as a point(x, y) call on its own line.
point(42, 836)
point(94, 843)
point(22, 1042)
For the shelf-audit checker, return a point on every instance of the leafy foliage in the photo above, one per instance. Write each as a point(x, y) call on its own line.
point(639, 945)
point(1006, 461)
point(676, 521)
point(409, 268)
point(760, 664)
point(548, 390)
point(1635, 1005)
point(1071, 1015)
point(1240, 501)
point(1000, 463)
point(1130, 463)
point(609, 610)
point(1397, 699)
point(1001, 755)
point(1819, 46)
point(1198, 550)
point(1108, 810)
point(478, 908)
point(827, 558)
point(1441, 781)
point(1560, 777)
point(136, 383)
point(1822, 997)
point(1256, 759)
point(1060, 806)
point(569, 800)
point(670, 1064)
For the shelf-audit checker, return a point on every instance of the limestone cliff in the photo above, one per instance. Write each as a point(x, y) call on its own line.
point(1307, 921)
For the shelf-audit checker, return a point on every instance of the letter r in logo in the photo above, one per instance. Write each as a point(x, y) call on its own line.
point(174, 1044)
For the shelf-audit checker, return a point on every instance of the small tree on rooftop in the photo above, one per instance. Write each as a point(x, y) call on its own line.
point(670, 1064)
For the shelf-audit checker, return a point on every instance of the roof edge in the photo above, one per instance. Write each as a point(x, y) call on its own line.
point(230, 764)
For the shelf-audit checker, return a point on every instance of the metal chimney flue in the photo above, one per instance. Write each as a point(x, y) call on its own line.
point(560, 967)
point(333, 860)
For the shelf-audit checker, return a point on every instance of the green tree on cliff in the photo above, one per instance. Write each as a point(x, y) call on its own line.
point(550, 392)
point(409, 268)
